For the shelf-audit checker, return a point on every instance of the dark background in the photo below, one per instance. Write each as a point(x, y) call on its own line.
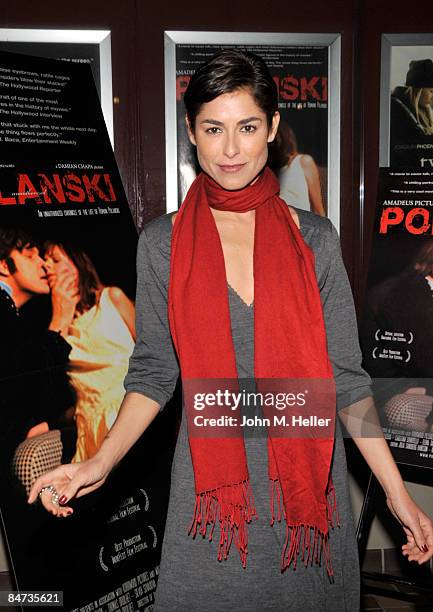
point(137, 28)
point(138, 81)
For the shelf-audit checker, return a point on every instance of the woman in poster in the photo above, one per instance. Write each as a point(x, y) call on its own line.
point(412, 117)
point(230, 287)
point(297, 173)
point(101, 335)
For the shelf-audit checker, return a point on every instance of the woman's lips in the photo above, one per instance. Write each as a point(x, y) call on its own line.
point(231, 167)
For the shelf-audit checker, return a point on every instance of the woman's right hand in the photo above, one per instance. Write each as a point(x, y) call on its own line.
point(69, 480)
point(63, 282)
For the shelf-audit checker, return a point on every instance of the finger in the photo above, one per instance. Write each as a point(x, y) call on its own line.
point(43, 481)
point(414, 554)
point(78, 481)
point(418, 534)
point(49, 503)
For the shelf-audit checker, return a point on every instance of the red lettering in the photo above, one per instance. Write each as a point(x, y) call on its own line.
point(181, 85)
point(110, 187)
point(393, 215)
point(324, 89)
point(75, 192)
point(4, 200)
point(292, 88)
point(308, 88)
point(411, 216)
point(289, 88)
point(92, 188)
point(54, 187)
point(26, 190)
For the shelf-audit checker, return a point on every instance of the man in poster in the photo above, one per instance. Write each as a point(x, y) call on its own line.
point(67, 270)
point(42, 399)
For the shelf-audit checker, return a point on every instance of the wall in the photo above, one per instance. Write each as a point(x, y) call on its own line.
point(138, 82)
point(138, 76)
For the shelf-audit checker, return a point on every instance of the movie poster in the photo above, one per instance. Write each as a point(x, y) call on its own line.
point(301, 76)
point(82, 53)
point(410, 110)
point(397, 326)
point(67, 284)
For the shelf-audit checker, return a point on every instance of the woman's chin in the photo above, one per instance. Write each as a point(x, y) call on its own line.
point(234, 181)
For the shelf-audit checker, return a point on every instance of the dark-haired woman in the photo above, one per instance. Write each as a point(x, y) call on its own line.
point(297, 173)
point(101, 333)
point(241, 287)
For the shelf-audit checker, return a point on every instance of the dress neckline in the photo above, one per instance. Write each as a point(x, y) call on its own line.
point(239, 297)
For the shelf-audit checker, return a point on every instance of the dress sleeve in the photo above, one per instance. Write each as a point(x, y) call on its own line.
point(352, 381)
point(153, 368)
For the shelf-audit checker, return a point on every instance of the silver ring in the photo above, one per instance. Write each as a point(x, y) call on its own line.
point(54, 494)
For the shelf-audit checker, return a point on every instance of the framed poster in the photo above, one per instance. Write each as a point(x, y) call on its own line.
point(92, 47)
point(398, 312)
point(306, 69)
point(67, 254)
point(406, 116)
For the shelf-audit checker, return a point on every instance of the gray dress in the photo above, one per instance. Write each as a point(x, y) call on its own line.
point(191, 578)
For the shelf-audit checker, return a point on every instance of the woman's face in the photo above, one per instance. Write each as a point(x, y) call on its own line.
point(231, 134)
point(426, 97)
point(59, 265)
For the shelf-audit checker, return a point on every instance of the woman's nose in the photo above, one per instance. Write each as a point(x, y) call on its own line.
point(231, 145)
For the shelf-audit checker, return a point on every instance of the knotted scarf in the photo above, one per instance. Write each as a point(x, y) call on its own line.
point(289, 342)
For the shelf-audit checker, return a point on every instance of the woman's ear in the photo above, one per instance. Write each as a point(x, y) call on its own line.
point(190, 131)
point(274, 126)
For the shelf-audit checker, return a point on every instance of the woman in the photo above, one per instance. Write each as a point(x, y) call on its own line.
point(298, 173)
point(412, 117)
point(234, 271)
point(101, 332)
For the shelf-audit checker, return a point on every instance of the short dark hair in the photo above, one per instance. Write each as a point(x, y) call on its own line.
point(10, 239)
point(13, 238)
point(225, 72)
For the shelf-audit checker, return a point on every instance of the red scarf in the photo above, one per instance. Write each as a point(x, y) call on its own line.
point(289, 342)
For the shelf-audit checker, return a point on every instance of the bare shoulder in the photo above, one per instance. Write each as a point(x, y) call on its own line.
point(117, 296)
point(307, 162)
point(295, 217)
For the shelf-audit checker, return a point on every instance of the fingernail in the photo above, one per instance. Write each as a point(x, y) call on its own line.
point(425, 548)
point(63, 500)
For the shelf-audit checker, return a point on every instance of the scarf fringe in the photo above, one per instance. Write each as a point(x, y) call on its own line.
point(233, 508)
point(308, 540)
point(311, 543)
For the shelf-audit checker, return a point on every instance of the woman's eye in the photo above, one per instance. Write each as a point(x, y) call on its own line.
point(213, 130)
point(249, 128)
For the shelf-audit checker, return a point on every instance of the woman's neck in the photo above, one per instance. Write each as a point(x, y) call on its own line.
point(235, 217)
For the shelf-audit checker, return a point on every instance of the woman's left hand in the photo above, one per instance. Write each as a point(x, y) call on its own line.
point(417, 526)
